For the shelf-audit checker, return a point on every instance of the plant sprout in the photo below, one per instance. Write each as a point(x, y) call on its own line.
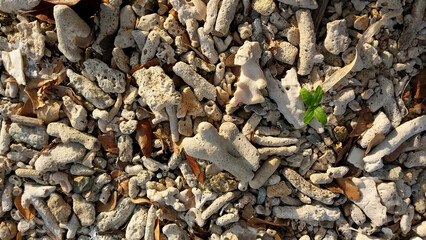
point(312, 101)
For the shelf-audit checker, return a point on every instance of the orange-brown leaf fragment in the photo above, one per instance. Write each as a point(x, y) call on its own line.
point(27, 213)
point(157, 229)
point(195, 168)
point(349, 187)
point(378, 138)
point(50, 111)
point(365, 121)
point(108, 206)
point(108, 142)
point(19, 236)
point(144, 136)
point(333, 187)
point(419, 84)
point(140, 200)
point(395, 154)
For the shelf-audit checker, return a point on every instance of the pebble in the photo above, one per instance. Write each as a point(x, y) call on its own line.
point(59, 208)
point(82, 184)
point(278, 190)
point(361, 22)
point(264, 7)
point(341, 133)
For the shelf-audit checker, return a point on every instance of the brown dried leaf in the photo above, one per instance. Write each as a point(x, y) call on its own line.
point(229, 62)
point(108, 206)
point(63, 2)
point(349, 188)
point(185, 40)
point(19, 236)
point(419, 84)
point(32, 95)
point(157, 229)
point(395, 154)
point(45, 18)
point(61, 91)
point(248, 212)
point(140, 200)
point(342, 153)
point(254, 222)
point(150, 63)
point(378, 138)
point(144, 136)
point(27, 213)
point(46, 148)
point(123, 187)
point(50, 111)
point(195, 168)
point(108, 142)
point(27, 109)
point(365, 121)
point(333, 187)
point(177, 146)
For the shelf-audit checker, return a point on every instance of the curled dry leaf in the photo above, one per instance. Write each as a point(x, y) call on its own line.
point(50, 111)
point(378, 138)
point(195, 168)
point(27, 109)
point(123, 187)
point(349, 188)
point(229, 62)
point(333, 187)
point(365, 121)
point(140, 200)
point(108, 206)
point(157, 229)
point(177, 146)
point(28, 213)
point(115, 174)
point(419, 85)
point(46, 148)
point(144, 136)
point(108, 142)
point(342, 153)
point(19, 236)
point(150, 63)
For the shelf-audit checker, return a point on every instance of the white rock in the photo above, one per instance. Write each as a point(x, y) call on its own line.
point(307, 213)
point(31, 40)
point(342, 99)
point(156, 89)
point(69, 27)
point(109, 80)
point(124, 38)
point(369, 201)
point(14, 6)
point(33, 136)
point(59, 156)
point(311, 4)
point(389, 4)
point(308, 55)
point(420, 229)
point(251, 80)
point(337, 39)
point(14, 65)
point(381, 125)
point(285, 53)
point(174, 232)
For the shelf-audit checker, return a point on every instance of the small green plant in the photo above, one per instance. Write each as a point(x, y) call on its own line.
point(312, 101)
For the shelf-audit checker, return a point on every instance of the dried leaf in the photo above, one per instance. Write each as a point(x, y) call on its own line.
point(177, 146)
point(349, 187)
point(32, 95)
point(115, 174)
point(108, 142)
point(157, 229)
point(108, 206)
point(61, 91)
point(395, 154)
point(150, 63)
point(123, 187)
point(27, 109)
point(333, 187)
point(277, 237)
point(366, 36)
point(19, 236)
point(229, 62)
point(378, 138)
point(342, 153)
point(140, 200)
point(144, 136)
point(186, 41)
point(364, 122)
point(419, 84)
point(416, 108)
point(28, 213)
point(248, 212)
point(63, 2)
point(173, 13)
point(50, 111)
point(253, 222)
point(195, 168)
point(46, 148)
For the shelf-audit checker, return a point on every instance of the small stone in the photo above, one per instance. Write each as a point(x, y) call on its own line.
point(337, 39)
point(223, 182)
point(278, 190)
point(84, 210)
point(341, 133)
point(82, 184)
point(7, 230)
point(361, 22)
point(285, 53)
point(59, 208)
point(264, 7)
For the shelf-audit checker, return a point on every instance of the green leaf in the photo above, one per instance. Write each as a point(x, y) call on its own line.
point(306, 96)
point(317, 96)
point(320, 115)
point(309, 115)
